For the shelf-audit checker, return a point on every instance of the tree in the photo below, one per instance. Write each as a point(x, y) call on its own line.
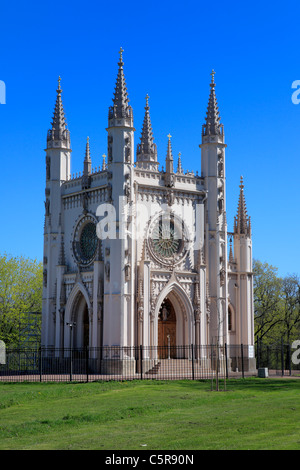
point(21, 284)
point(267, 297)
point(290, 308)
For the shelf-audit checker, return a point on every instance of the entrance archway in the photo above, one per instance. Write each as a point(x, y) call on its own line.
point(181, 328)
point(81, 317)
point(167, 330)
point(86, 327)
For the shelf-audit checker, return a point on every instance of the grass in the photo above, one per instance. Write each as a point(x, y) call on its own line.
point(175, 415)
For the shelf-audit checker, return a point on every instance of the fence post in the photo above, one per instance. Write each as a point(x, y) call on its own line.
point(217, 367)
point(87, 363)
point(40, 360)
point(71, 364)
point(242, 357)
point(226, 363)
point(289, 355)
point(211, 366)
point(282, 357)
point(193, 376)
point(141, 359)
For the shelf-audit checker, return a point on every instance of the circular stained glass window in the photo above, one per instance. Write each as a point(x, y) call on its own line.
point(166, 238)
point(88, 242)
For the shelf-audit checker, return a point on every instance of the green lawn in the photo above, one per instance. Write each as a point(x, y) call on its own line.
point(150, 415)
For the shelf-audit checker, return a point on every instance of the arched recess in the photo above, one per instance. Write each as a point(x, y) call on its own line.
point(231, 318)
point(183, 310)
point(78, 310)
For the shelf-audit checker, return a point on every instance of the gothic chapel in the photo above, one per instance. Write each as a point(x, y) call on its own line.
point(135, 255)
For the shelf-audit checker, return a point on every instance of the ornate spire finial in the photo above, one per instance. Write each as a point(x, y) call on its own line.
point(103, 162)
point(212, 124)
point(59, 125)
point(58, 85)
point(120, 108)
point(169, 177)
point(242, 223)
point(87, 150)
point(179, 166)
point(146, 151)
point(87, 167)
point(242, 183)
point(121, 54)
point(147, 101)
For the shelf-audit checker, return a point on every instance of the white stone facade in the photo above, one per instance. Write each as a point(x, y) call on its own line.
point(164, 265)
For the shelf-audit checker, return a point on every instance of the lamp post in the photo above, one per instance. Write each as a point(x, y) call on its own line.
point(168, 346)
point(71, 325)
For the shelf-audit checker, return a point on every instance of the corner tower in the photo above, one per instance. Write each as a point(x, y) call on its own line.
point(119, 252)
point(243, 259)
point(58, 169)
point(213, 171)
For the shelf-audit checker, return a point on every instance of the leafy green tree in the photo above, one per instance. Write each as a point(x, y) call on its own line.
point(290, 308)
point(276, 305)
point(21, 284)
point(267, 298)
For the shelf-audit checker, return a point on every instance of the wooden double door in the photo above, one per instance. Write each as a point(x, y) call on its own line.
point(167, 331)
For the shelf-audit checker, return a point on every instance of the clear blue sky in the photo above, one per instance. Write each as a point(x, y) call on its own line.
point(170, 49)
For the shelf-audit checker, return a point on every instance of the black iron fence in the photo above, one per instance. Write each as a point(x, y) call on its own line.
point(128, 363)
point(161, 363)
point(279, 358)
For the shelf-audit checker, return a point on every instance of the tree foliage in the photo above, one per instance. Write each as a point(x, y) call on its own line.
point(276, 304)
point(21, 284)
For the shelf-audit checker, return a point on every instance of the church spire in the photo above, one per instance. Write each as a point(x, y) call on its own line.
point(59, 126)
point(169, 177)
point(146, 150)
point(120, 108)
point(212, 124)
point(87, 164)
point(242, 223)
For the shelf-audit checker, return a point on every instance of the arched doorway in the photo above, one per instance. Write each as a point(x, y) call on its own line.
point(78, 312)
point(180, 321)
point(86, 327)
point(167, 330)
point(81, 330)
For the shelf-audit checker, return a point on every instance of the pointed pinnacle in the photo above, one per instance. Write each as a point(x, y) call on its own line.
point(120, 108)
point(103, 162)
point(179, 166)
point(146, 150)
point(242, 221)
point(58, 120)
point(212, 124)
point(87, 150)
point(58, 84)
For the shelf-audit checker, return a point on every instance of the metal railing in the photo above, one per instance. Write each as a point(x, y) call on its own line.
point(280, 358)
point(128, 363)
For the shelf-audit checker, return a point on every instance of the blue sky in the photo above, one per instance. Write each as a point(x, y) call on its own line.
point(170, 49)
